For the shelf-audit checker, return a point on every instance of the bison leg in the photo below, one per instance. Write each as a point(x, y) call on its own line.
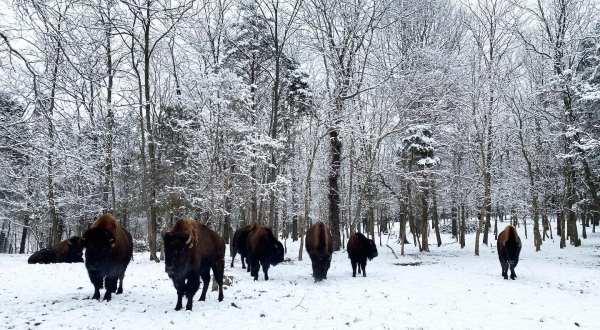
point(248, 264)
point(319, 269)
point(96, 280)
point(504, 265)
point(107, 295)
point(233, 258)
point(315, 268)
point(326, 265)
point(363, 265)
point(180, 287)
point(254, 266)
point(512, 270)
point(218, 270)
point(192, 286)
point(120, 289)
point(265, 267)
point(179, 298)
point(111, 286)
point(243, 263)
point(353, 268)
point(205, 274)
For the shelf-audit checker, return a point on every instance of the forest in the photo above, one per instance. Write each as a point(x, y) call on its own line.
point(423, 116)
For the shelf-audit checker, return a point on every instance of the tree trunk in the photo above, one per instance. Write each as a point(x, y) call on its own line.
point(463, 226)
point(109, 185)
point(55, 231)
point(435, 218)
point(561, 224)
point(537, 238)
point(569, 202)
point(424, 222)
point(333, 194)
point(274, 116)
point(583, 224)
point(143, 158)
point(307, 198)
point(496, 227)
point(294, 227)
point(228, 207)
point(24, 234)
point(152, 221)
point(559, 218)
point(480, 216)
point(454, 220)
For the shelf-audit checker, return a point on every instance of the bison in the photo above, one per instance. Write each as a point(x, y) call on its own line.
point(263, 249)
point(69, 250)
point(108, 250)
point(360, 248)
point(191, 251)
point(238, 244)
point(319, 246)
point(509, 247)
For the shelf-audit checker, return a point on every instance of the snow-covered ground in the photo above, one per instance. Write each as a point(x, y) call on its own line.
point(447, 288)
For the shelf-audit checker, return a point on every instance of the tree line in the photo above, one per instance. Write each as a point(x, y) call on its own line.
point(359, 113)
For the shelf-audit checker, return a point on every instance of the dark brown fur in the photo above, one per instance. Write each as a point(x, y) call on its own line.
point(69, 250)
point(360, 248)
point(509, 248)
point(263, 249)
point(191, 251)
point(319, 246)
point(238, 244)
point(109, 248)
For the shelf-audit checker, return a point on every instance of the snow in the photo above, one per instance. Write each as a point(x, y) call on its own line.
point(447, 288)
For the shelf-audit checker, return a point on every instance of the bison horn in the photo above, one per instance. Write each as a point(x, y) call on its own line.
point(189, 242)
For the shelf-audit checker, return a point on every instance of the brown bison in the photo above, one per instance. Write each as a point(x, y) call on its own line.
point(191, 251)
point(108, 250)
point(69, 250)
point(263, 249)
point(319, 247)
point(509, 247)
point(238, 244)
point(360, 248)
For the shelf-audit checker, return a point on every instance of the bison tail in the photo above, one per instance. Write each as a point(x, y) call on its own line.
point(130, 246)
point(322, 236)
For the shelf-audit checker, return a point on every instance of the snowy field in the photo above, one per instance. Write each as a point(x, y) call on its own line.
point(446, 288)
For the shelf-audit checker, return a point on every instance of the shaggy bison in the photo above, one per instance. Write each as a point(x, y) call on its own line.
point(108, 250)
point(509, 247)
point(263, 250)
point(360, 248)
point(319, 247)
point(238, 244)
point(69, 250)
point(191, 251)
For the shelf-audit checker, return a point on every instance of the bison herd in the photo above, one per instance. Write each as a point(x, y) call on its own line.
point(192, 250)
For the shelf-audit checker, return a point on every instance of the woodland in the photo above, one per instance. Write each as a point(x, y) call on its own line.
point(420, 116)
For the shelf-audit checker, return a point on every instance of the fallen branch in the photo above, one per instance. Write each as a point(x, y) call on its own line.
point(300, 303)
point(393, 252)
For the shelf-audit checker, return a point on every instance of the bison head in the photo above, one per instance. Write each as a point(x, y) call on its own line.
point(277, 253)
point(372, 249)
point(98, 244)
point(177, 254)
point(75, 249)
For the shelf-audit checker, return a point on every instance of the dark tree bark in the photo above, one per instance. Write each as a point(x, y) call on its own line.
point(462, 226)
point(335, 147)
point(435, 218)
point(454, 221)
